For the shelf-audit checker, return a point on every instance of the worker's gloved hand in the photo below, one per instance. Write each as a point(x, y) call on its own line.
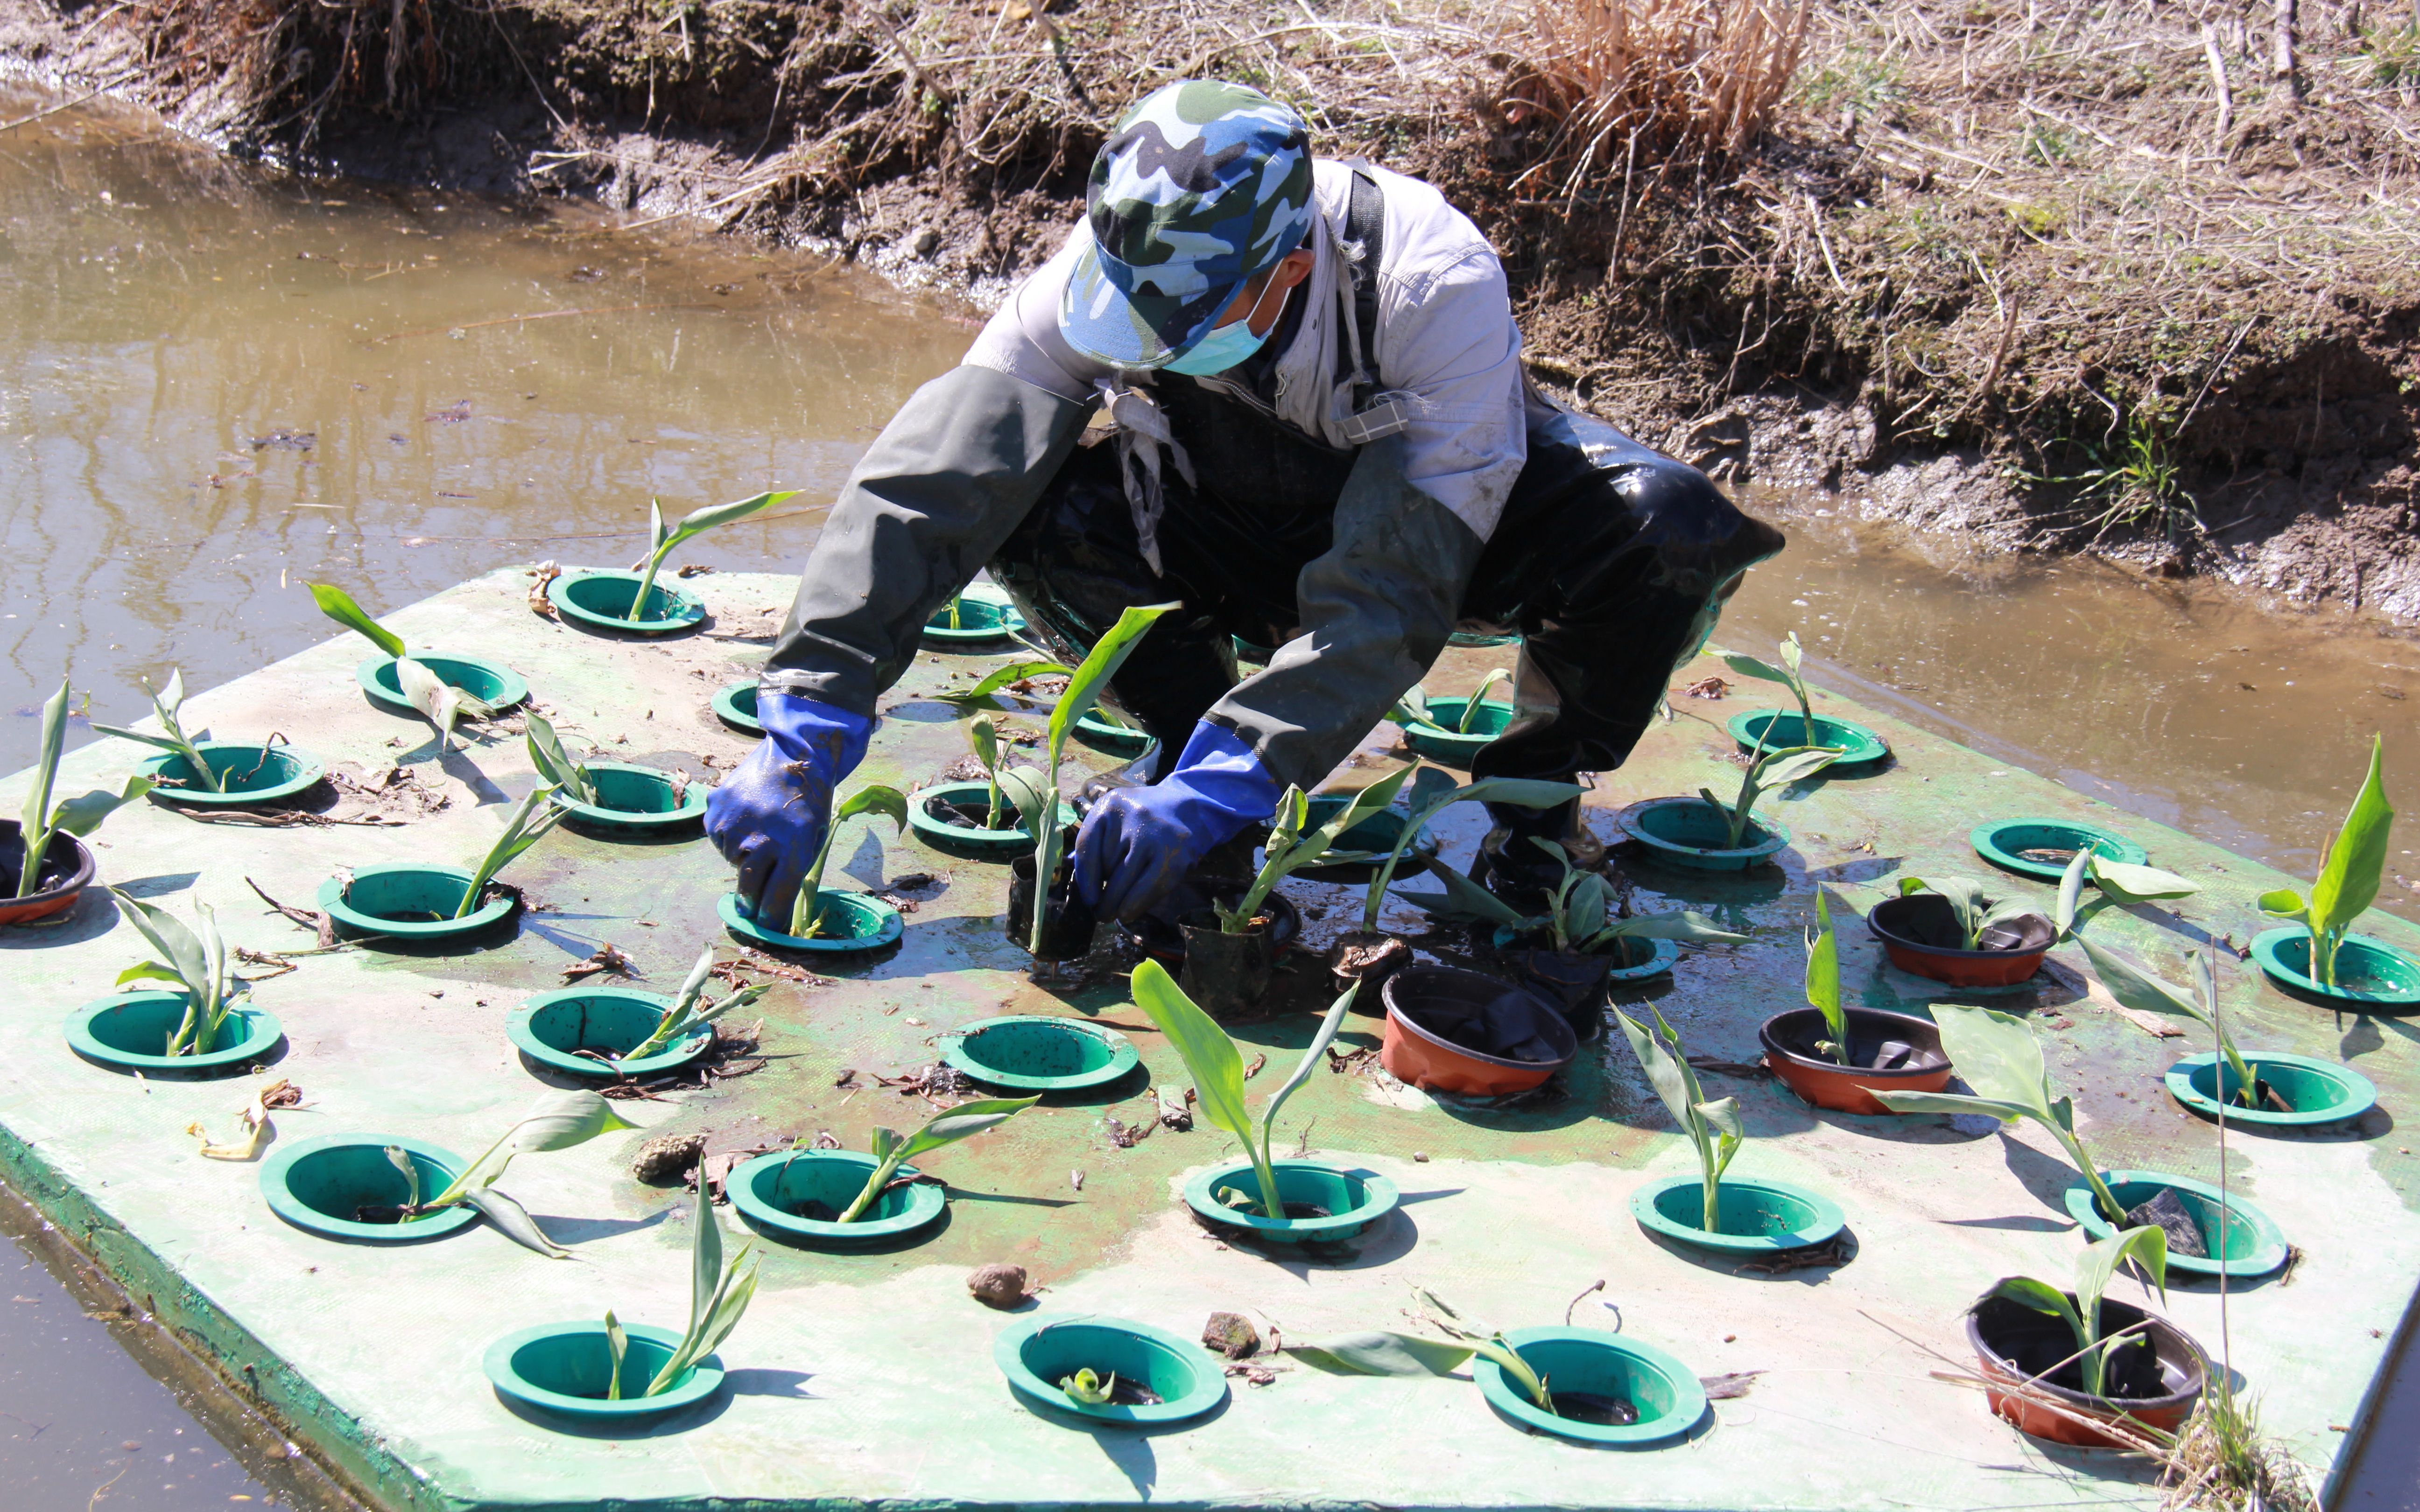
point(1137, 842)
point(768, 818)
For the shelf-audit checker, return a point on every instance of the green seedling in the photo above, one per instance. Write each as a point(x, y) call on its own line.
point(440, 702)
point(1089, 1388)
point(40, 821)
point(1767, 770)
point(2119, 883)
point(1382, 1352)
point(556, 1121)
point(2135, 987)
point(1413, 707)
point(807, 914)
point(2000, 1059)
point(691, 1010)
point(164, 704)
point(401, 1160)
point(2094, 1269)
point(718, 1293)
point(1576, 920)
point(983, 737)
point(193, 961)
point(955, 617)
point(2349, 871)
point(1976, 908)
point(1036, 793)
point(618, 1345)
point(1823, 980)
point(524, 826)
point(1715, 1128)
point(1479, 696)
point(696, 522)
point(338, 605)
point(1787, 674)
point(1217, 1069)
point(554, 763)
point(890, 1151)
point(1519, 792)
point(1292, 845)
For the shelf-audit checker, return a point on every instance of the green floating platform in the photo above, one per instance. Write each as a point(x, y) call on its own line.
point(866, 1377)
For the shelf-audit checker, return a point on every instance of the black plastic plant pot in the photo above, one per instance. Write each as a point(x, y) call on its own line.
point(343, 1186)
point(250, 775)
point(1066, 920)
point(602, 600)
point(2156, 1384)
point(1165, 942)
point(1920, 934)
point(1576, 983)
point(65, 872)
point(568, 1368)
point(1226, 973)
point(410, 903)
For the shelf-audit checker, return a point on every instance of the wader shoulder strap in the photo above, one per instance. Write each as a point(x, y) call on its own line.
point(1365, 229)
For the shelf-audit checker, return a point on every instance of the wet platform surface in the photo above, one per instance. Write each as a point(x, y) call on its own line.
point(868, 1378)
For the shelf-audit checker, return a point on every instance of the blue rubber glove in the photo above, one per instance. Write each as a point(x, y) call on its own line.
point(1139, 842)
point(768, 818)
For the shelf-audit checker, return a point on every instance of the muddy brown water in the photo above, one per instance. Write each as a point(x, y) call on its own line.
point(217, 384)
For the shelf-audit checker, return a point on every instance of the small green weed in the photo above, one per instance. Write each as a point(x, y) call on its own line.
point(2135, 482)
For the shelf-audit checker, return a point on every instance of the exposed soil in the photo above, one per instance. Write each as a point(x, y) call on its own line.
point(2051, 277)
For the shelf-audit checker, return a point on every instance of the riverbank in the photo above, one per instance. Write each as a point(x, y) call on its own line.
point(2048, 279)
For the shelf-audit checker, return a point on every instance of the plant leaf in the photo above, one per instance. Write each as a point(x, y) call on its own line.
point(1030, 792)
point(874, 798)
point(1664, 1074)
point(1679, 924)
point(1217, 1069)
point(1015, 671)
point(1748, 666)
point(2098, 1263)
point(1462, 899)
point(698, 521)
point(512, 1220)
point(964, 1120)
point(2348, 882)
point(1313, 1055)
point(2131, 884)
point(150, 971)
point(167, 934)
point(81, 816)
point(556, 764)
point(2135, 987)
point(2041, 1297)
point(1954, 1102)
point(1086, 685)
point(1997, 1055)
point(2284, 903)
point(705, 1260)
point(338, 605)
point(1780, 768)
point(1377, 1352)
point(562, 1119)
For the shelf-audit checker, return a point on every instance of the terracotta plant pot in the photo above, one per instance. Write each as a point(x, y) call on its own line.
point(1427, 1003)
point(1920, 935)
point(1888, 1052)
point(65, 871)
point(2156, 1386)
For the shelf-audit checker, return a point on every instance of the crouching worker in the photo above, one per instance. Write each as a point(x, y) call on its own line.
point(1321, 440)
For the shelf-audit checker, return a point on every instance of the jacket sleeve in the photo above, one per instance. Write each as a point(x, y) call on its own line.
point(949, 478)
point(1377, 610)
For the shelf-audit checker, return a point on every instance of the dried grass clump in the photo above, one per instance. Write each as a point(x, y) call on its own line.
point(1659, 82)
point(2220, 1461)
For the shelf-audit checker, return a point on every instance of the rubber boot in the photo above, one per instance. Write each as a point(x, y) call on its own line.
point(1520, 872)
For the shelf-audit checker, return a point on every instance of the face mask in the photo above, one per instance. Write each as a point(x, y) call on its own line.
point(1225, 347)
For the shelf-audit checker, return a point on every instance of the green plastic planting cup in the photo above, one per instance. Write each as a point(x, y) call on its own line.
point(2251, 1246)
point(1474, 639)
point(1782, 730)
point(2371, 973)
point(1758, 1218)
point(1038, 1353)
point(252, 774)
point(1450, 747)
point(1667, 1394)
point(1036, 1053)
point(1691, 833)
point(2001, 842)
point(498, 686)
point(130, 1031)
point(568, 1368)
point(852, 922)
point(735, 706)
point(981, 621)
point(551, 1028)
point(972, 800)
point(1353, 1198)
point(409, 903)
point(774, 1193)
point(638, 800)
point(319, 1184)
point(1111, 739)
point(1358, 854)
point(2321, 1091)
point(601, 601)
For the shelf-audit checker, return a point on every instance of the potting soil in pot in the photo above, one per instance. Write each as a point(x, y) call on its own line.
point(1589, 1407)
point(2035, 1341)
point(2167, 1214)
point(1509, 1027)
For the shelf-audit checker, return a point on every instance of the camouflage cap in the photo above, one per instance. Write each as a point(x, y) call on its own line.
point(1202, 186)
